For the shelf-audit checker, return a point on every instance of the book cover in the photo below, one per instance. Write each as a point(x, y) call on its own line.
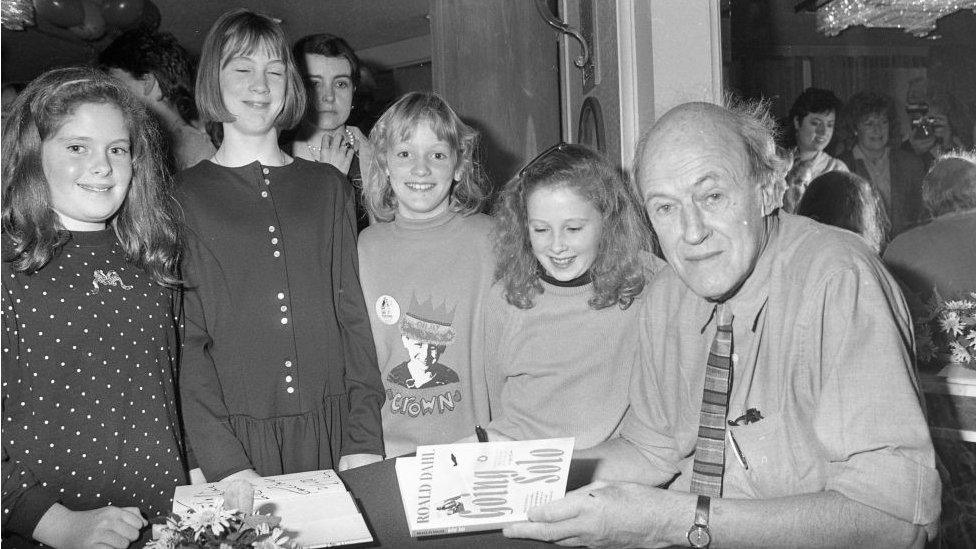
point(315, 508)
point(452, 488)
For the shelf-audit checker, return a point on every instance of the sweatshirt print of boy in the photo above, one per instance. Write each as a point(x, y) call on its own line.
point(426, 332)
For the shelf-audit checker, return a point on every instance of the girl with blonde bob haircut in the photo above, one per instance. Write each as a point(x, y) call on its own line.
point(239, 32)
point(425, 268)
point(278, 370)
point(559, 325)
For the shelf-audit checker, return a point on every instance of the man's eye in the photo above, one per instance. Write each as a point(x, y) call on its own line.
point(539, 230)
point(342, 84)
point(713, 199)
point(663, 209)
point(119, 150)
point(76, 149)
point(402, 154)
point(574, 229)
point(439, 155)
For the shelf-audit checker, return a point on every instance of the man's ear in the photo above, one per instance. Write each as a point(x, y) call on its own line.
point(771, 196)
point(150, 87)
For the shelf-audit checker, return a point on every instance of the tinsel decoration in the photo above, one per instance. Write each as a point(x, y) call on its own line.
point(17, 14)
point(917, 17)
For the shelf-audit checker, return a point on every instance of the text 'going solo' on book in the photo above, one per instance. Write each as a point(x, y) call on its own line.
point(466, 487)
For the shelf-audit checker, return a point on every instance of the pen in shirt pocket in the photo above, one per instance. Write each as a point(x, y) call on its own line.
point(736, 449)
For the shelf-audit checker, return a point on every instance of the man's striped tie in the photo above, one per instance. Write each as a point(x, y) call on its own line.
point(706, 477)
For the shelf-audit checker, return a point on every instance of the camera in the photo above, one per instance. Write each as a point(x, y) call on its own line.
point(924, 127)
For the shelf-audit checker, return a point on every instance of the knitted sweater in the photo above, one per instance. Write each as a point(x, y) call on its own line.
point(424, 283)
point(560, 368)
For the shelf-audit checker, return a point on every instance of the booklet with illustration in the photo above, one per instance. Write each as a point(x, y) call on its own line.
point(451, 488)
point(315, 508)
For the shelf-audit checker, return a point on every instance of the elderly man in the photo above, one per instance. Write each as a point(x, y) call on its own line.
point(941, 254)
point(774, 402)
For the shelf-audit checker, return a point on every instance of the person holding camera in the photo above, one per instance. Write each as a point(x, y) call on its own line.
point(932, 133)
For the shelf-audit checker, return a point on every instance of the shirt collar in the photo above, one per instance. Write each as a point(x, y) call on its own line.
point(748, 303)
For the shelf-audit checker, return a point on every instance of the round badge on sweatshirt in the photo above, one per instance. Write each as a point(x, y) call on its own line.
point(388, 310)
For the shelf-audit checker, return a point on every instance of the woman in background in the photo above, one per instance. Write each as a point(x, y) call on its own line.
point(332, 75)
point(896, 174)
point(560, 328)
point(847, 201)
point(426, 266)
point(813, 116)
point(278, 368)
point(91, 434)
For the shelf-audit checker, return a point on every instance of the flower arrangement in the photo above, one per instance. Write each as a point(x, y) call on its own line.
point(226, 523)
point(945, 332)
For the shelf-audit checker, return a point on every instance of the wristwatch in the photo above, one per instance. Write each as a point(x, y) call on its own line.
point(698, 535)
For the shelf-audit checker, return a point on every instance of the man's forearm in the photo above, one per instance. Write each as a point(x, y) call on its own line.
point(619, 460)
point(825, 519)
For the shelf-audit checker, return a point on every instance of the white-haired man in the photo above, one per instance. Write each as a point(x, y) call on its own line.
point(774, 401)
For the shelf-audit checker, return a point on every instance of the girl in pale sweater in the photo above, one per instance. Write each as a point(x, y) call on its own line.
point(425, 267)
point(559, 329)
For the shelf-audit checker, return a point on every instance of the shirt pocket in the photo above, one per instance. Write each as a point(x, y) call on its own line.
point(780, 462)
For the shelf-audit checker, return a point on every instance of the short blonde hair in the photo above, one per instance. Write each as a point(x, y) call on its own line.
point(397, 124)
point(243, 31)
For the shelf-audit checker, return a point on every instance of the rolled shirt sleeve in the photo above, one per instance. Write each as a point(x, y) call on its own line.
point(869, 416)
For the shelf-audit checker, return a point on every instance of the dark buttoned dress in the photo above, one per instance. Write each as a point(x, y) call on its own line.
point(278, 370)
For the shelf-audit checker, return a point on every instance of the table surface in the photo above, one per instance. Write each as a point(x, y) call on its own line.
point(378, 494)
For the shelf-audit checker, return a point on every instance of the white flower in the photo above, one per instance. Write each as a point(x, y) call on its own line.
point(950, 324)
point(216, 518)
point(959, 353)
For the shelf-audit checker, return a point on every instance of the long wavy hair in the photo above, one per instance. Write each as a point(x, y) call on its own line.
point(617, 271)
point(145, 223)
point(398, 124)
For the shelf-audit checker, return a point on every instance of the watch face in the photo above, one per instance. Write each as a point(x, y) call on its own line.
point(699, 537)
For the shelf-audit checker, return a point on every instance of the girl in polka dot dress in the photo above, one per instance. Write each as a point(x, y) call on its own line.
point(91, 437)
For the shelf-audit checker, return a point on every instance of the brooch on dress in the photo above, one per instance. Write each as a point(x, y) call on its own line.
point(110, 278)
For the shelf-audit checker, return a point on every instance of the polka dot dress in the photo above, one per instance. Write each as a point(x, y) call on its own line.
point(88, 398)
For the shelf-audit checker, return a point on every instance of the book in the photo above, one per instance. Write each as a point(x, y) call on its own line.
point(315, 508)
point(469, 487)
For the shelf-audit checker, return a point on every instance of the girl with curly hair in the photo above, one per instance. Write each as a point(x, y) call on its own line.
point(572, 249)
point(91, 438)
point(425, 268)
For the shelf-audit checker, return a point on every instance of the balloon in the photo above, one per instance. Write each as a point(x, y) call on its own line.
point(122, 14)
point(150, 16)
point(94, 26)
point(62, 13)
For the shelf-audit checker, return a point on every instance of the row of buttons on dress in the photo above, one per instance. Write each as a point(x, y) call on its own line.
point(281, 295)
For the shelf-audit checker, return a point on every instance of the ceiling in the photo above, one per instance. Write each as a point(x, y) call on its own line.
point(363, 23)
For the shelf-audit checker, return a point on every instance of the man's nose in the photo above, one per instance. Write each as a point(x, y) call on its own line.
point(693, 226)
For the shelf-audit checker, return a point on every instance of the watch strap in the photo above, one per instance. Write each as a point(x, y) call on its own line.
point(701, 511)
